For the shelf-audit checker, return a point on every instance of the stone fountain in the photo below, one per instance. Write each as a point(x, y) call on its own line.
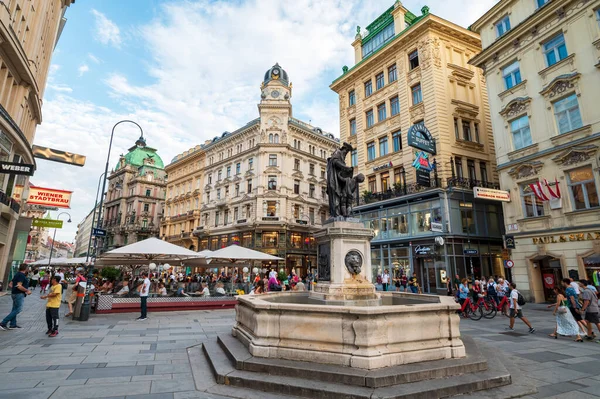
point(343, 339)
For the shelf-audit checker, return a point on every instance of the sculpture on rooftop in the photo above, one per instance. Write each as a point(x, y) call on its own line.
point(341, 185)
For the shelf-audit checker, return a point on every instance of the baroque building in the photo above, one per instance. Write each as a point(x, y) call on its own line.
point(261, 186)
point(133, 204)
point(541, 60)
point(418, 115)
point(29, 31)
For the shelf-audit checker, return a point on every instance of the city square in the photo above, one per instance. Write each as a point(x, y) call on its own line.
point(325, 199)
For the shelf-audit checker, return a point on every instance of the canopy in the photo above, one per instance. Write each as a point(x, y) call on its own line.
point(60, 262)
point(146, 251)
point(235, 252)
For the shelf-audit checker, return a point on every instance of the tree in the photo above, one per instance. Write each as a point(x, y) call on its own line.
point(110, 273)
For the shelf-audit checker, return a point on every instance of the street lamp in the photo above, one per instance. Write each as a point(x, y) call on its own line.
point(87, 257)
point(85, 307)
point(54, 236)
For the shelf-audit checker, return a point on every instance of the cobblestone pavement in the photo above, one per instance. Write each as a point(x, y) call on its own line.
point(114, 356)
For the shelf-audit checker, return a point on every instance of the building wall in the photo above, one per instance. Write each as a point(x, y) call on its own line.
point(82, 237)
point(29, 30)
point(555, 232)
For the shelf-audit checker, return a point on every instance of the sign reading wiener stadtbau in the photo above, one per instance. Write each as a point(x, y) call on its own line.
point(50, 223)
point(420, 137)
point(13, 168)
point(49, 197)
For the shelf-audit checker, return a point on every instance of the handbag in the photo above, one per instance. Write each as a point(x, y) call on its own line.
point(562, 310)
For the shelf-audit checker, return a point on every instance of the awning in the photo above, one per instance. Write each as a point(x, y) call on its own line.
point(147, 251)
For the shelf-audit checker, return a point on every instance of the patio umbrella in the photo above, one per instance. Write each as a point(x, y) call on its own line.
point(147, 251)
point(59, 262)
point(236, 253)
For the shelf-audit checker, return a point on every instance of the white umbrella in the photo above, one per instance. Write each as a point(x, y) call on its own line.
point(59, 262)
point(235, 253)
point(146, 251)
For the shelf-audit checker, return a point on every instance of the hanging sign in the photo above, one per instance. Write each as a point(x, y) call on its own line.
point(13, 168)
point(510, 242)
point(437, 227)
point(491, 194)
point(470, 252)
point(418, 136)
point(49, 223)
point(423, 178)
point(548, 280)
point(421, 162)
point(49, 197)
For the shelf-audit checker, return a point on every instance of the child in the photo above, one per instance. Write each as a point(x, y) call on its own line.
point(52, 306)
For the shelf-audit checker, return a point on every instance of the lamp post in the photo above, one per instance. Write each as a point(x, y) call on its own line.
point(54, 236)
point(85, 307)
point(87, 257)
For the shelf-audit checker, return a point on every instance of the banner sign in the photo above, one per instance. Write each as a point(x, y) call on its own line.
point(49, 223)
point(491, 194)
point(418, 136)
point(548, 280)
point(13, 168)
point(49, 197)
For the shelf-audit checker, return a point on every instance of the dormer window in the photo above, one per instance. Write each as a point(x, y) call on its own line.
point(503, 26)
point(374, 43)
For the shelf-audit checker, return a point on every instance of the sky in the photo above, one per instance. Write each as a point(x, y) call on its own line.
point(188, 70)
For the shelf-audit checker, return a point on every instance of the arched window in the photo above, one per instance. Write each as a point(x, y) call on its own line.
point(276, 139)
point(271, 138)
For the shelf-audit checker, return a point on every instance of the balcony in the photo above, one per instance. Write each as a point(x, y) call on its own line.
point(11, 203)
point(461, 182)
point(270, 218)
point(399, 190)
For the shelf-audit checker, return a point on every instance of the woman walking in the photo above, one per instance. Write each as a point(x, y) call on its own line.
point(565, 322)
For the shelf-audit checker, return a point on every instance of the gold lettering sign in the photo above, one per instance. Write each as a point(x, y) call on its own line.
point(566, 238)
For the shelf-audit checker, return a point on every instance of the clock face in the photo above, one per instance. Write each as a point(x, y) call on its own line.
point(276, 72)
point(275, 94)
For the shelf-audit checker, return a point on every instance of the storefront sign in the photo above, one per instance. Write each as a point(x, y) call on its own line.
point(470, 252)
point(49, 223)
point(437, 227)
point(423, 178)
point(421, 162)
point(510, 243)
point(491, 194)
point(418, 136)
point(13, 168)
point(548, 280)
point(384, 166)
point(49, 197)
point(270, 218)
point(566, 238)
point(422, 250)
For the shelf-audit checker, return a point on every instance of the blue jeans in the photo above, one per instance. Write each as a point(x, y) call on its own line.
point(414, 289)
point(17, 307)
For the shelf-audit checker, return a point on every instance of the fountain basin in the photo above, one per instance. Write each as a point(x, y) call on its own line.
point(405, 328)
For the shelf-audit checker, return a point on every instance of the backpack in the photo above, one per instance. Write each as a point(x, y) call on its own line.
point(491, 290)
point(520, 299)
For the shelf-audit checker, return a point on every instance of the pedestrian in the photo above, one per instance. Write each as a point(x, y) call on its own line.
point(449, 287)
point(565, 323)
point(385, 279)
point(144, 289)
point(575, 286)
point(515, 309)
point(54, 297)
point(413, 284)
point(463, 291)
point(63, 283)
point(403, 282)
point(456, 284)
point(573, 303)
point(44, 282)
point(589, 310)
point(19, 290)
point(397, 282)
point(491, 291)
point(34, 280)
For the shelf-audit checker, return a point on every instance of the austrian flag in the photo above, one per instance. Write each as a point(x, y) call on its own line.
point(538, 191)
point(553, 194)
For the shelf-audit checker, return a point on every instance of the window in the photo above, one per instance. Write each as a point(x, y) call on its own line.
point(532, 205)
point(311, 191)
point(354, 158)
point(226, 217)
point(249, 186)
point(352, 127)
point(541, 2)
point(296, 186)
point(351, 98)
point(521, 134)
point(210, 179)
point(555, 49)
point(502, 26)
point(297, 212)
point(392, 74)
point(466, 126)
point(372, 183)
point(471, 169)
point(582, 187)
point(208, 196)
point(483, 172)
point(397, 140)
point(271, 208)
point(272, 184)
point(324, 192)
point(229, 171)
point(371, 151)
point(217, 214)
point(311, 169)
point(511, 75)
point(395, 105)
point(219, 175)
point(250, 163)
point(296, 164)
point(383, 146)
point(381, 112)
point(368, 88)
point(271, 138)
point(148, 192)
point(567, 114)
point(398, 175)
point(385, 181)
point(322, 173)
point(311, 215)
point(417, 96)
point(218, 193)
point(238, 168)
point(235, 214)
point(370, 118)
point(272, 160)
point(413, 60)
point(379, 81)
point(146, 207)
point(237, 189)
point(378, 40)
point(458, 166)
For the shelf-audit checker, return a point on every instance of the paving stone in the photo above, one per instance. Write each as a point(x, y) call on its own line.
point(77, 366)
point(34, 393)
point(545, 356)
point(102, 391)
point(556, 374)
point(107, 372)
point(173, 385)
point(28, 368)
point(17, 384)
point(152, 396)
point(107, 380)
point(555, 389)
point(172, 368)
point(155, 377)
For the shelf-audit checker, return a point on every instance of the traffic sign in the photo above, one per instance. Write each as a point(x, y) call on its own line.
point(509, 263)
point(98, 232)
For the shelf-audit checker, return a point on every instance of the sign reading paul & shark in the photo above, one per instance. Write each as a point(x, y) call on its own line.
point(49, 197)
point(418, 136)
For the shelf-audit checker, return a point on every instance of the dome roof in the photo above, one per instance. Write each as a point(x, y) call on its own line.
point(276, 73)
point(140, 155)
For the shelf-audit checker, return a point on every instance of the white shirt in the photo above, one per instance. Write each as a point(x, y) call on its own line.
point(62, 276)
point(514, 297)
point(576, 287)
point(145, 287)
point(123, 290)
point(162, 291)
point(272, 273)
point(205, 292)
point(219, 290)
point(385, 278)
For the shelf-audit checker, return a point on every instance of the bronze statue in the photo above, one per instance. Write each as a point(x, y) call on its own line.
point(341, 186)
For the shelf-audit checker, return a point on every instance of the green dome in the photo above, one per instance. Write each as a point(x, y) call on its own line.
point(140, 155)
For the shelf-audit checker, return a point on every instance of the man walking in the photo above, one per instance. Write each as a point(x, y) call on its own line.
point(589, 310)
point(54, 297)
point(143, 289)
point(19, 290)
point(385, 280)
point(515, 309)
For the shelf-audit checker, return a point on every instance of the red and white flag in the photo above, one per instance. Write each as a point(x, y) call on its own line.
point(553, 194)
point(538, 191)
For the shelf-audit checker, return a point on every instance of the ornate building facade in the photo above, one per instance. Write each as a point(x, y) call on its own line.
point(411, 89)
point(136, 191)
point(541, 61)
point(261, 186)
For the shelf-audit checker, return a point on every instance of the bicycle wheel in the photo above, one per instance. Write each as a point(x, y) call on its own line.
point(476, 314)
point(488, 313)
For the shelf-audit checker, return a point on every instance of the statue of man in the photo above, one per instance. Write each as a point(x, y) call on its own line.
point(338, 176)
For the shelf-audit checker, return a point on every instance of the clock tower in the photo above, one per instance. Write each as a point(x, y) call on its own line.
point(275, 107)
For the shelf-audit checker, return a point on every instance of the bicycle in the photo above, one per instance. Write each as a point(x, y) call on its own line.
point(488, 309)
point(471, 310)
point(503, 306)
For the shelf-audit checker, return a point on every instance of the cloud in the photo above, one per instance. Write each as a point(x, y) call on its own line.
point(94, 58)
point(83, 68)
point(106, 31)
point(60, 88)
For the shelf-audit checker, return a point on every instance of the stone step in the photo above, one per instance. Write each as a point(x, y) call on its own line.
point(242, 360)
point(218, 361)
